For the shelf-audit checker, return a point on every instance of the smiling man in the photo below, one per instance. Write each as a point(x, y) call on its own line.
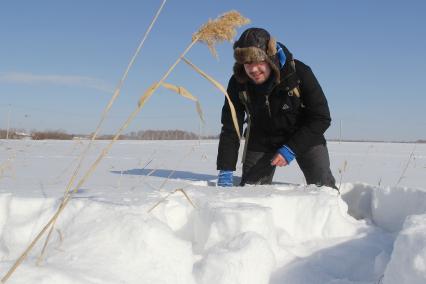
point(285, 110)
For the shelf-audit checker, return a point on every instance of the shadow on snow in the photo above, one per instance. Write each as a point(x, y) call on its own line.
point(163, 173)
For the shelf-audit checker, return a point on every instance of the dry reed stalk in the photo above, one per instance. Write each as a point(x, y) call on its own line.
point(150, 173)
point(406, 165)
point(186, 94)
point(202, 36)
point(170, 194)
point(161, 200)
point(61, 239)
point(129, 66)
point(105, 112)
point(187, 197)
point(25, 253)
point(214, 31)
point(180, 90)
point(67, 198)
point(222, 89)
point(177, 166)
point(142, 168)
point(341, 171)
point(200, 114)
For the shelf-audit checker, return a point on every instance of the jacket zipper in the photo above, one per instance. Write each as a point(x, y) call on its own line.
point(246, 101)
point(267, 105)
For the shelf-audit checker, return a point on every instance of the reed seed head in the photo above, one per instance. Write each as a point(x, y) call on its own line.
point(221, 29)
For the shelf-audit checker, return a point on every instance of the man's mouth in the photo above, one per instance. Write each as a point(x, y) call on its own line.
point(257, 76)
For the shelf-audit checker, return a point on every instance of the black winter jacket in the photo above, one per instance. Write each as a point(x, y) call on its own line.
point(297, 122)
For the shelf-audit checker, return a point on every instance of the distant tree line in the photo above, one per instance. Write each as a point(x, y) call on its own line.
point(165, 135)
point(135, 135)
point(377, 141)
point(35, 135)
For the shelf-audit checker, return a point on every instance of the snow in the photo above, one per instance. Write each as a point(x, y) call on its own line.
point(409, 253)
point(133, 221)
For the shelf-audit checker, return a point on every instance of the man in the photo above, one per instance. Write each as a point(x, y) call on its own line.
point(286, 111)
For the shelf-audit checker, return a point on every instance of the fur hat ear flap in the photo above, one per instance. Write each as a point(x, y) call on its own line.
point(240, 73)
point(272, 47)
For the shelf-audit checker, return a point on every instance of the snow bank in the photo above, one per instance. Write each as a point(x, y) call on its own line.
point(20, 218)
point(247, 258)
point(401, 211)
point(391, 206)
point(387, 207)
point(96, 243)
point(283, 233)
point(408, 260)
point(234, 236)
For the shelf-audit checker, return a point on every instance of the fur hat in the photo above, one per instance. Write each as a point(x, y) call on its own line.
point(255, 45)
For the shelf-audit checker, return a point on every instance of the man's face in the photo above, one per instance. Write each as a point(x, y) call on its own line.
point(258, 72)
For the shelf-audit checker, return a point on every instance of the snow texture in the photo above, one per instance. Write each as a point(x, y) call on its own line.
point(129, 223)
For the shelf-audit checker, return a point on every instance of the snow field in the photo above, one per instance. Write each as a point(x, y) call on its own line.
point(242, 238)
point(283, 233)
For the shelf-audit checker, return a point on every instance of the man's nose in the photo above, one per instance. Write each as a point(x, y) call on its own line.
point(253, 67)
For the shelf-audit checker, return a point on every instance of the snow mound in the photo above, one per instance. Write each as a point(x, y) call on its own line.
point(247, 258)
point(408, 260)
point(387, 207)
point(259, 234)
point(233, 236)
point(96, 243)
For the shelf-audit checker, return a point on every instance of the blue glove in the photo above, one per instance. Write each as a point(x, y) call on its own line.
point(287, 153)
point(225, 179)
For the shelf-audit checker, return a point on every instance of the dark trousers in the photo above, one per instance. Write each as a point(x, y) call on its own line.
point(315, 165)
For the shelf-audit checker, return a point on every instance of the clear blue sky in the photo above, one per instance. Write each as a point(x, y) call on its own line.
point(60, 61)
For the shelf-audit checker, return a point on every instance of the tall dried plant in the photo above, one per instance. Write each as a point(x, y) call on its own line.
point(222, 89)
point(186, 94)
point(227, 23)
point(219, 30)
point(410, 158)
point(105, 112)
point(341, 171)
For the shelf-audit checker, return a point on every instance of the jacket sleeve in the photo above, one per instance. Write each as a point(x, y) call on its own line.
point(229, 143)
point(315, 114)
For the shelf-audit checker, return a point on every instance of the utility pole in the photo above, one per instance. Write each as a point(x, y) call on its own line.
point(340, 132)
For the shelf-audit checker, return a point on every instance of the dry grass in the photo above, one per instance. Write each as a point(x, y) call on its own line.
point(410, 158)
point(170, 194)
point(68, 193)
point(341, 171)
point(224, 26)
point(115, 95)
point(222, 89)
point(186, 94)
point(220, 29)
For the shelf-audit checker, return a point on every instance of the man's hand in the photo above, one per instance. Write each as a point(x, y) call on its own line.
point(284, 157)
point(279, 160)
